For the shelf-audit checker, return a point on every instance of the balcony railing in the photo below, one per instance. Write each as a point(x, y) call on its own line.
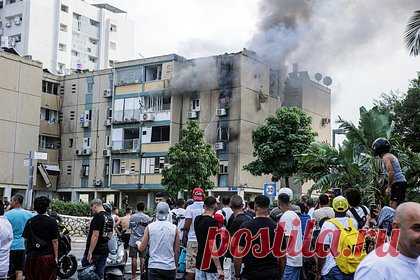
point(128, 145)
point(127, 116)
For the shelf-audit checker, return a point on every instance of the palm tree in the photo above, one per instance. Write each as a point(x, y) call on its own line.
point(412, 34)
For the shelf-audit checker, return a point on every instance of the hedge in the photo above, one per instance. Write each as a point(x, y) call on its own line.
point(71, 208)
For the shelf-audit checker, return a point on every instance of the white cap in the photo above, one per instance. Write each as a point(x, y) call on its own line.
point(287, 191)
point(162, 211)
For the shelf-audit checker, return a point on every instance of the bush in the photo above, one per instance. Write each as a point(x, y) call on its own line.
point(70, 208)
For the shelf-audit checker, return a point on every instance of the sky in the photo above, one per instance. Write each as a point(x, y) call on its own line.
point(360, 46)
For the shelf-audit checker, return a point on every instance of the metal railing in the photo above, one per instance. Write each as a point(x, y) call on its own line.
point(131, 145)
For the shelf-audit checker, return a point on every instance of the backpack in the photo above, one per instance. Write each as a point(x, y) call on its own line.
point(108, 230)
point(348, 241)
point(361, 221)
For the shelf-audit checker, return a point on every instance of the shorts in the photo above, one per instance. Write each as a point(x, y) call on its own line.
point(17, 260)
point(133, 252)
point(398, 192)
point(192, 248)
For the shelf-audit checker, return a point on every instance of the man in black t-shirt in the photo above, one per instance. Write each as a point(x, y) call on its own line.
point(41, 235)
point(266, 268)
point(100, 229)
point(202, 225)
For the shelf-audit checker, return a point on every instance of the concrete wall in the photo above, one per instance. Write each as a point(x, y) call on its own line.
point(20, 95)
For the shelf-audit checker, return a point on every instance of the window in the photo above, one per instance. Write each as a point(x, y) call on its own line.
point(223, 134)
point(68, 169)
point(86, 143)
point(155, 103)
point(112, 45)
point(50, 87)
point(73, 88)
point(61, 67)
point(74, 53)
point(70, 142)
point(107, 141)
point(92, 59)
point(72, 114)
point(111, 63)
point(64, 8)
point(106, 169)
point(160, 133)
point(10, 1)
point(63, 27)
point(195, 105)
point(94, 23)
point(51, 116)
point(93, 41)
point(166, 103)
point(116, 166)
point(223, 167)
point(46, 142)
point(62, 47)
point(1, 4)
point(85, 170)
point(152, 72)
point(113, 28)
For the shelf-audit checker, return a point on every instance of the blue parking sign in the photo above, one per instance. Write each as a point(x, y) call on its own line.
point(270, 189)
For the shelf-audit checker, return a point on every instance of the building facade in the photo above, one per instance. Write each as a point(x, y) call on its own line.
point(67, 34)
point(107, 133)
point(20, 95)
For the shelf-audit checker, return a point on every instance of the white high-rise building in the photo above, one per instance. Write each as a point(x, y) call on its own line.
point(67, 34)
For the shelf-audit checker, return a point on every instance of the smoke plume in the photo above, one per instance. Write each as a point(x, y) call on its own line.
point(322, 33)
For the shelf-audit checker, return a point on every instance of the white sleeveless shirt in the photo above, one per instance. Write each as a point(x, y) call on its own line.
point(161, 245)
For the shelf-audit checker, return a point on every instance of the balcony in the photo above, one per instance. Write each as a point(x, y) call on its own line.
point(50, 129)
point(52, 155)
point(156, 85)
point(126, 146)
point(131, 179)
point(50, 101)
point(127, 116)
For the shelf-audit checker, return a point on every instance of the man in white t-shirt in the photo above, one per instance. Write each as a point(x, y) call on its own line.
point(328, 266)
point(324, 212)
point(292, 264)
point(178, 216)
point(407, 264)
point(357, 211)
point(190, 240)
point(226, 210)
point(6, 237)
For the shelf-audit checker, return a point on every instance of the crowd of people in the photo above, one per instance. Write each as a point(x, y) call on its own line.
point(183, 238)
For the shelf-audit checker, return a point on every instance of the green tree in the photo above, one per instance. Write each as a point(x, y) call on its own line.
point(192, 162)
point(412, 34)
point(279, 141)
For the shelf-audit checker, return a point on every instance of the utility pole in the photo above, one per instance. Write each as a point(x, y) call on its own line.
point(29, 190)
point(141, 109)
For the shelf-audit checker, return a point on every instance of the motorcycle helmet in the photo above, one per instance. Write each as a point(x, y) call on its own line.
point(87, 273)
point(381, 146)
point(108, 208)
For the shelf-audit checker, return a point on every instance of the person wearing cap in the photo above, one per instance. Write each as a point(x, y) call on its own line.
point(190, 239)
point(276, 212)
point(162, 237)
point(327, 266)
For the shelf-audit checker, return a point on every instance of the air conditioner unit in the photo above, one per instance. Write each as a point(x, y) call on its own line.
point(147, 117)
point(85, 123)
point(97, 182)
point(107, 93)
point(221, 112)
point(107, 152)
point(219, 146)
point(108, 122)
point(17, 21)
point(87, 151)
point(192, 115)
point(8, 25)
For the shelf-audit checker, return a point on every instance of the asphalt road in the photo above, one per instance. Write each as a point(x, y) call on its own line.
point(78, 248)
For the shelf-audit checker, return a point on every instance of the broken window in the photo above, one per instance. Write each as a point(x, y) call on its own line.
point(152, 72)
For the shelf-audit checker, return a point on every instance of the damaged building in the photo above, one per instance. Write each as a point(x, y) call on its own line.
point(116, 125)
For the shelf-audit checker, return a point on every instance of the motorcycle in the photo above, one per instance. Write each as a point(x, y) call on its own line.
point(67, 263)
point(117, 259)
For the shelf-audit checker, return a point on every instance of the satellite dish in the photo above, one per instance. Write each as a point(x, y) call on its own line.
point(318, 77)
point(327, 81)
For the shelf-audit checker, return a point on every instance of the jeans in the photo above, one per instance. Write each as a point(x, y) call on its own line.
point(336, 274)
point(99, 261)
point(161, 274)
point(291, 273)
point(202, 275)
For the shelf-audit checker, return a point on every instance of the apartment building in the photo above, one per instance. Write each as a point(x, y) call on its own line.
point(313, 97)
point(67, 34)
point(20, 95)
point(107, 133)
